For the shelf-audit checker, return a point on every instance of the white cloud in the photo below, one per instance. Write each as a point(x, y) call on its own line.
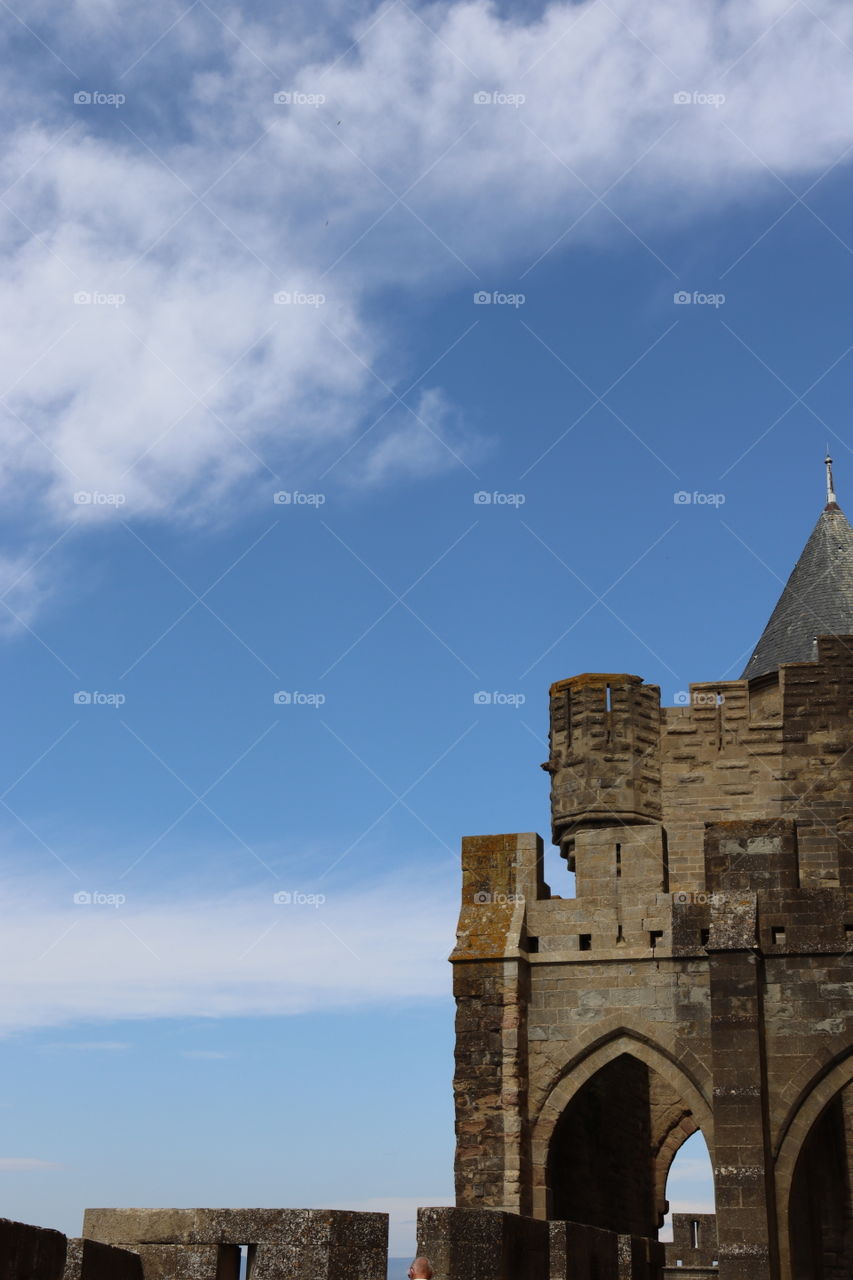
point(238, 955)
point(429, 440)
point(104, 398)
point(23, 588)
point(22, 1164)
point(88, 1046)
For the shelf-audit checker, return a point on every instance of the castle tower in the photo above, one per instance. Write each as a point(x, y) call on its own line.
point(701, 978)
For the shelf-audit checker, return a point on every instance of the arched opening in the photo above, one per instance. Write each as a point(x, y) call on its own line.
point(690, 1228)
point(612, 1148)
point(820, 1216)
point(600, 1165)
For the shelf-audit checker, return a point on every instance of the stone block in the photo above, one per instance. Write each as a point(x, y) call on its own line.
point(483, 1244)
point(91, 1260)
point(30, 1253)
point(579, 1252)
point(639, 1258)
point(200, 1244)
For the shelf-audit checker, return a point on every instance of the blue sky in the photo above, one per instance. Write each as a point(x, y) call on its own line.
point(300, 1051)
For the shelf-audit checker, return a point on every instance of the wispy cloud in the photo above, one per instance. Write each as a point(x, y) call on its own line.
point(241, 954)
point(146, 361)
point(87, 1046)
point(24, 1164)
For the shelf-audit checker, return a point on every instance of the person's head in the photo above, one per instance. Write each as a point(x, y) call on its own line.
point(420, 1269)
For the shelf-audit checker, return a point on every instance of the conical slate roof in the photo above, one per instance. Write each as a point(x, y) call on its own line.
point(817, 600)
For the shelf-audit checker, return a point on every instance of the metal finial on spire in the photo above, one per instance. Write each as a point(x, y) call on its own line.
point(830, 487)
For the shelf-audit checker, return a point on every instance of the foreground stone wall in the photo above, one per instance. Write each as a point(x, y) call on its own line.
point(486, 1244)
point(204, 1244)
point(38, 1253)
point(89, 1260)
point(30, 1253)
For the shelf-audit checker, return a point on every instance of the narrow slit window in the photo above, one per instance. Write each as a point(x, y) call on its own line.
point(694, 1233)
point(585, 942)
point(618, 862)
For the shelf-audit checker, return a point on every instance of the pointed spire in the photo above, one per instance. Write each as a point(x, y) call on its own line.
point(831, 500)
point(818, 596)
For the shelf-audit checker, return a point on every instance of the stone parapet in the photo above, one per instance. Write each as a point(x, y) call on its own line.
point(283, 1244)
point(483, 1244)
point(30, 1253)
point(91, 1260)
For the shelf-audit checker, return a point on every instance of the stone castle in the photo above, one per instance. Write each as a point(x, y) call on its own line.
point(700, 979)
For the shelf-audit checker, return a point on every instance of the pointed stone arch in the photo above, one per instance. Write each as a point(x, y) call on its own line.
point(695, 1113)
point(828, 1086)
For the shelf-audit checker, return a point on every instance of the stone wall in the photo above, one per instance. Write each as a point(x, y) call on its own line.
point(89, 1260)
point(38, 1253)
point(204, 1244)
point(486, 1244)
point(693, 1253)
point(30, 1253)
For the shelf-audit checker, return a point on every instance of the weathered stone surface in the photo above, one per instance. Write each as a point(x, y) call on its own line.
point(482, 1244)
point(580, 1252)
point(693, 1253)
point(91, 1260)
point(30, 1253)
point(202, 1244)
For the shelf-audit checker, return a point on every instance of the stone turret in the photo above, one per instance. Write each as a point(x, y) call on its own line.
point(605, 755)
